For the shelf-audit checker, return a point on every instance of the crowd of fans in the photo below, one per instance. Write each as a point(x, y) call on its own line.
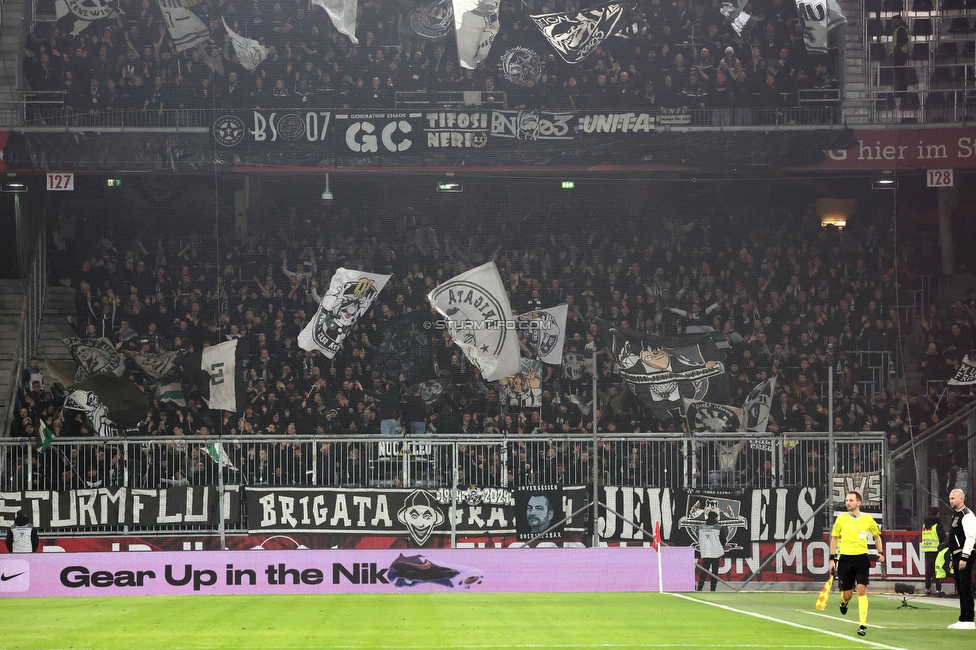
point(686, 56)
point(793, 300)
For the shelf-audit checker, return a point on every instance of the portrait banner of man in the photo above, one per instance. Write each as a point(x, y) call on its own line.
point(537, 508)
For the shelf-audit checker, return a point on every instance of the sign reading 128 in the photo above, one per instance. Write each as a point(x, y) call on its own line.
point(61, 182)
point(939, 177)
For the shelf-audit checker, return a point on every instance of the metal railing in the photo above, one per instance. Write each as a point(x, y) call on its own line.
point(727, 462)
point(447, 99)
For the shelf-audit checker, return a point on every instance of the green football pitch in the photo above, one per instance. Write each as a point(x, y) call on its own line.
point(472, 620)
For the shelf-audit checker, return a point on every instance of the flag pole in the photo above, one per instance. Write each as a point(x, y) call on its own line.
point(657, 545)
point(594, 460)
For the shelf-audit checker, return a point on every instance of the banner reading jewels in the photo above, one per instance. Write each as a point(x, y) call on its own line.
point(419, 515)
point(325, 572)
point(113, 507)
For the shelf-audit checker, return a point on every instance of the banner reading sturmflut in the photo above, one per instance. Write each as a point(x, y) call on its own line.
point(349, 296)
point(479, 318)
point(476, 24)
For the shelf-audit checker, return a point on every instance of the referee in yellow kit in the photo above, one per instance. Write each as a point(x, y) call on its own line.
point(851, 531)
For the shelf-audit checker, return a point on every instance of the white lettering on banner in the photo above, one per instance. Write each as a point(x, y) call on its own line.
point(790, 555)
point(118, 497)
point(367, 142)
point(287, 508)
point(56, 520)
point(291, 126)
point(201, 518)
point(137, 505)
point(361, 503)
point(531, 125)
point(382, 514)
point(162, 517)
point(268, 515)
point(628, 500)
point(341, 511)
point(319, 510)
point(86, 507)
point(616, 123)
point(868, 484)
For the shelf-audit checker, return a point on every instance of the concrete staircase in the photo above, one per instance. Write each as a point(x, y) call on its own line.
point(59, 303)
point(853, 75)
point(11, 307)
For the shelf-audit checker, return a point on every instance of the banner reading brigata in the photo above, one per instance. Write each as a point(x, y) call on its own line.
point(418, 515)
point(343, 571)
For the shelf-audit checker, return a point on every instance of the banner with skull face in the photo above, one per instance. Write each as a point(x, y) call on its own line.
point(664, 372)
point(349, 296)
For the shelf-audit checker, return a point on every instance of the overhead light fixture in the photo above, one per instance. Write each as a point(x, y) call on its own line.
point(886, 181)
point(15, 186)
point(327, 193)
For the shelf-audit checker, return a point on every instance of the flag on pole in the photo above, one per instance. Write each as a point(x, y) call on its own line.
point(825, 593)
point(220, 362)
point(656, 544)
point(44, 435)
point(85, 12)
point(343, 15)
point(94, 356)
point(966, 374)
point(219, 456)
point(478, 317)
point(818, 18)
point(249, 52)
point(185, 27)
point(576, 34)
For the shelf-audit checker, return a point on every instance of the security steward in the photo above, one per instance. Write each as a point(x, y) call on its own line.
point(932, 536)
point(22, 536)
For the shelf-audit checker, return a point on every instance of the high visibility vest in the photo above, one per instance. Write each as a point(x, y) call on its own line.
point(940, 564)
point(930, 540)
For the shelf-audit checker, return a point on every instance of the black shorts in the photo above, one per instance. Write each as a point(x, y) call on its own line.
point(853, 569)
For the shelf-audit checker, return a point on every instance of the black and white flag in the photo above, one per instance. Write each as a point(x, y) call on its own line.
point(966, 374)
point(740, 21)
point(223, 363)
point(184, 26)
point(249, 52)
point(757, 405)
point(349, 296)
point(545, 332)
point(124, 404)
point(818, 17)
point(575, 35)
point(476, 25)
point(479, 318)
point(94, 356)
point(85, 12)
point(706, 417)
point(155, 366)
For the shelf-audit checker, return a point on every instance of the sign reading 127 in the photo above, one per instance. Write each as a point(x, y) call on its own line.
point(939, 177)
point(61, 182)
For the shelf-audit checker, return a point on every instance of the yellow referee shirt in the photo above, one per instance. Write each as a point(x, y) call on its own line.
point(852, 533)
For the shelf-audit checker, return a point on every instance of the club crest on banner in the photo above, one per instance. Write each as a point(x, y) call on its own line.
point(705, 417)
point(229, 130)
point(574, 366)
point(350, 295)
point(698, 508)
point(421, 515)
point(543, 332)
point(520, 65)
point(434, 20)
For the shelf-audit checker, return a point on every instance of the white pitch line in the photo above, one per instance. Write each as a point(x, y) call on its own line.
point(521, 645)
point(790, 623)
point(836, 618)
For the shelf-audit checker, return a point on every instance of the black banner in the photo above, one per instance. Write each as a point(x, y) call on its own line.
point(114, 507)
point(317, 139)
point(768, 515)
point(417, 515)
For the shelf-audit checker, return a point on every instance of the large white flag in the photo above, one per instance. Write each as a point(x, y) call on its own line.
point(220, 362)
point(343, 15)
point(349, 296)
point(818, 18)
point(184, 26)
point(966, 374)
point(545, 331)
point(249, 52)
point(479, 318)
point(476, 24)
